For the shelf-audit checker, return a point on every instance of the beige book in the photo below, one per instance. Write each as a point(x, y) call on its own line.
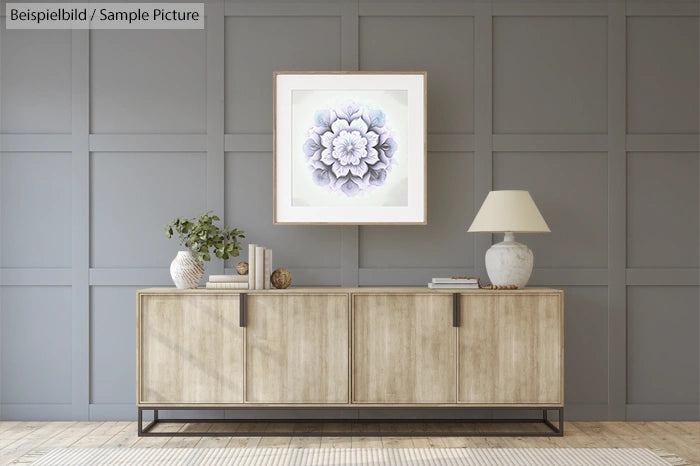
point(251, 266)
point(268, 268)
point(228, 278)
point(227, 285)
point(259, 268)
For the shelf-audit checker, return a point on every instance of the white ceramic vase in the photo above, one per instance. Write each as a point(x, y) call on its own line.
point(186, 270)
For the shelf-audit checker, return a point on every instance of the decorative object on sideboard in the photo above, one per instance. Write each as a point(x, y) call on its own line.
point(508, 212)
point(267, 259)
point(259, 267)
point(350, 147)
point(463, 283)
point(490, 286)
point(186, 270)
point(236, 282)
point(200, 236)
point(242, 268)
point(281, 279)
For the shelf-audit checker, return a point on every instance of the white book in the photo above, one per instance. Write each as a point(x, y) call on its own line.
point(455, 280)
point(228, 278)
point(456, 286)
point(268, 268)
point(251, 266)
point(259, 268)
point(227, 285)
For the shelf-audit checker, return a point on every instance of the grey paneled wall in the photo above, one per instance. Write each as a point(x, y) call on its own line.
point(590, 105)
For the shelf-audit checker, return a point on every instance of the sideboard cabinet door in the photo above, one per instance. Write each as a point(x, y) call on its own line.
point(190, 349)
point(404, 348)
point(297, 348)
point(511, 349)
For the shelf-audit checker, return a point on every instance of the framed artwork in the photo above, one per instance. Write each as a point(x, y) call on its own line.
point(349, 148)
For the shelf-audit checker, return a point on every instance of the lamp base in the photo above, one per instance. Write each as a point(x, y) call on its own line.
point(509, 262)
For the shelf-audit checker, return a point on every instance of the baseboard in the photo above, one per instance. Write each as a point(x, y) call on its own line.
point(586, 412)
point(112, 412)
point(663, 412)
point(36, 412)
point(127, 412)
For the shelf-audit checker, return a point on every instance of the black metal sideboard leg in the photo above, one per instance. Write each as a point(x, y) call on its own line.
point(557, 431)
point(144, 431)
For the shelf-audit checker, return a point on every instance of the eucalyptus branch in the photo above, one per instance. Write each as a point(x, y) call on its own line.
point(201, 236)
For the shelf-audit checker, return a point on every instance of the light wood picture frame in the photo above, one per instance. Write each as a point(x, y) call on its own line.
point(350, 148)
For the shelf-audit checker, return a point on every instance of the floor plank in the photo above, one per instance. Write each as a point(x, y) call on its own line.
point(126, 438)
point(184, 442)
point(328, 441)
point(18, 439)
point(32, 441)
point(101, 435)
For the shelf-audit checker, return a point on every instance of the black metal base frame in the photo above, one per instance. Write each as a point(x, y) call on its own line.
point(553, 431)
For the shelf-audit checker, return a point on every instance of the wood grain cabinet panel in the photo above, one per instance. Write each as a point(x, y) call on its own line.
point(403, 348)
point(380, 347)
point(190, 349)
point(297, 348)
point(511, 349)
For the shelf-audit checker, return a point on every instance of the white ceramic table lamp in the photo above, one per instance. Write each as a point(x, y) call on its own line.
point(509, 212)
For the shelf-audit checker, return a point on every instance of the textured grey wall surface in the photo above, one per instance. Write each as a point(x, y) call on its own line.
point(591, 105)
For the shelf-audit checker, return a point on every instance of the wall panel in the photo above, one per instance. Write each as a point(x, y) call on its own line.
point(662, 74)
point(32, 183)
point(663, 329)
point(662, 209)
point(35, 345)
point(113, 345)
point(147, 81)
point(586, 350)
point(550, 74)
point(36, 81)
point(445, 50)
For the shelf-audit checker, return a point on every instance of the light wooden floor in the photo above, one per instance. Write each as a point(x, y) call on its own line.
point(19, 438)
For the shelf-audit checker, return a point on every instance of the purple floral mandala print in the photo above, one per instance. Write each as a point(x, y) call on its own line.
point(350, 149)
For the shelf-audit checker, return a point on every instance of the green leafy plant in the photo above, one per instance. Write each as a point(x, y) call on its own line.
point(199, 234)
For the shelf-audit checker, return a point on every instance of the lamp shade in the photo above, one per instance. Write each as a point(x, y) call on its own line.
point(513, 211)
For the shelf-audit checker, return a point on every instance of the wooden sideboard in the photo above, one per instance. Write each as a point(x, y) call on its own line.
point(350, 347)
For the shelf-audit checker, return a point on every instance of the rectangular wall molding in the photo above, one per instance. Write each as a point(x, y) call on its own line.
point(617, 211)
point(80, 212)
point(148, 142)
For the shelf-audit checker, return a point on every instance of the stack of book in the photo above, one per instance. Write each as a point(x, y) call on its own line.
point(236, 282)
point(460, 283)
point(259, 272)
point(259, 267)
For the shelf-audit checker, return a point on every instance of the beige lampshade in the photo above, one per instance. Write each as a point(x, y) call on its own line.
point(509, 211)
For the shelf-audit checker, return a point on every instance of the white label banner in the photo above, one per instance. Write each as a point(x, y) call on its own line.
point(104, 16)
